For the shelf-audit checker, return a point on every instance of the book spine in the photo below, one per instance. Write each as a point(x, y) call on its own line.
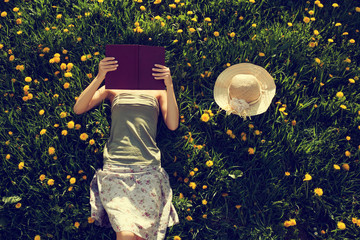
point(137, 67)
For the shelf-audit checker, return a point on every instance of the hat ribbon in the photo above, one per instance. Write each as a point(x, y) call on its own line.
point(240, 106)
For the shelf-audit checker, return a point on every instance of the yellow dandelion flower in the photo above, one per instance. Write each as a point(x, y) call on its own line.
point(205, 117)
point(209, 163)
point(318, 191)
point(306, 20)
point(287, 173)
point(336, 167)
point(21, 165)
point(204, 202)
point(251, 151)
point(42, 177)
point(70, 124)
point(91, 220)
point(351, 41)
point(232, 34)
point(63, 114)
point(312, 44)
point(189, 218)
point(261, 54)
point(92, 142)
point(68, 74)
point(84, 136)
point(342, 106)
point(339, 94)
point(316, 32)
point(192, 185)
point(72, 180)
point(307, 177)
point(64, 132)
point(335, 5)
point(317, 60)
point(51, 182)
point(216, 33)
point(51, 150)
point(18, 205)
point(43, 131)
point(341, 225)
point(346, 167)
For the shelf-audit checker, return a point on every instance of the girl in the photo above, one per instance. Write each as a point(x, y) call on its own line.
point(132, 193)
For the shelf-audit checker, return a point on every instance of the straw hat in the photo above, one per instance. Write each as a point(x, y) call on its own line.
point(244, 89)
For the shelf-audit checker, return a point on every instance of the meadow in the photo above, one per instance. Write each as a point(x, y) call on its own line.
point(290, 173)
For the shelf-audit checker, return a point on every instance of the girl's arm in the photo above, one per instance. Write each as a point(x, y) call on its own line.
point(168, 104)
point(92, 96)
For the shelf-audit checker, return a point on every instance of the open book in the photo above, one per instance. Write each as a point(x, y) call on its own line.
point(135, 67)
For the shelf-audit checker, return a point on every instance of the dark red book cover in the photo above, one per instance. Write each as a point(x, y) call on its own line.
point(135, 67)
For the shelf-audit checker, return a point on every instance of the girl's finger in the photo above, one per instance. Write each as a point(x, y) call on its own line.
point(159, 74)
point(160, 69)
point(161, 66)
point(108, 63)
point(105, 60)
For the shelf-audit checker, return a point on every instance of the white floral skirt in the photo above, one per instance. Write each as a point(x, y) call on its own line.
point(133, 198)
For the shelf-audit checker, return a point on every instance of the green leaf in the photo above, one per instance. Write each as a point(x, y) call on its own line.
point(236, 174)
point(11, 200)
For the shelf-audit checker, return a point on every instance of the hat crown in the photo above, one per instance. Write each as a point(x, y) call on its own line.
point(245, 86)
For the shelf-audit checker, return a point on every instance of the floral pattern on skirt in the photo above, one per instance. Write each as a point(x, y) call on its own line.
point(133, 198)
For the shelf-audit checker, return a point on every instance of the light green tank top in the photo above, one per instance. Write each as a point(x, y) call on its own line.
point(133, 131)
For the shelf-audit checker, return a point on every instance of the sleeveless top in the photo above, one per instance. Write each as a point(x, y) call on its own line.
point(133, 131)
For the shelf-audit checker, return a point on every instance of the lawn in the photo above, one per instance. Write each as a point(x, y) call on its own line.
point(290, 173)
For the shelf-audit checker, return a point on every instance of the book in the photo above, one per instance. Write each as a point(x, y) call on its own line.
point(135, 67)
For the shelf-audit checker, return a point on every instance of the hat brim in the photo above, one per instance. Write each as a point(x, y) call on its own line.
point(221, 88)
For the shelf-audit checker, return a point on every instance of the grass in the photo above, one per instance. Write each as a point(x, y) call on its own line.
point(308, 128)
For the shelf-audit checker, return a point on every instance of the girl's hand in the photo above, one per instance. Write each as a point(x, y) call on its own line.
point(106, 65)
point(163, 73)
